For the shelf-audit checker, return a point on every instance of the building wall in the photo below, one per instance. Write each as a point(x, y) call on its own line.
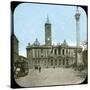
point(15, 48)
point(85, 57)
point(15, 44)
point(50, 57)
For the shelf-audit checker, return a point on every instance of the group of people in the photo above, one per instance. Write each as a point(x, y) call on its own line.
point(38, 68)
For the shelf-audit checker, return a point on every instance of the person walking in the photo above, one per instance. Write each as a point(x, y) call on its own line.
point(39, 69)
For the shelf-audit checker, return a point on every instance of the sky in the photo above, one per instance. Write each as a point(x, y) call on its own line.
point(30, 18)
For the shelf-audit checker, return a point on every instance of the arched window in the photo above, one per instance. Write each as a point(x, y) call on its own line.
point(59, 61)
point(41, 50)
point(63, 51)
point(55, 62)
point(66, 51)
point(67, 61)
point(51, 62)
point(59, 51)
point(55, 51)
point(63, 61)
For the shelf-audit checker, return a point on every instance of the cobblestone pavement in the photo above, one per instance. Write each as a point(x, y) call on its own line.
point(50, 76)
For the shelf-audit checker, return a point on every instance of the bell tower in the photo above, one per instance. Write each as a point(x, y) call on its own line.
point(48, 38)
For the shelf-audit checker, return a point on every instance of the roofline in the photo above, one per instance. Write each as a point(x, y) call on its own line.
point(58, 46)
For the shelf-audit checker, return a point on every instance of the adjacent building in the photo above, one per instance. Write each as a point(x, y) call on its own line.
point(15, 48)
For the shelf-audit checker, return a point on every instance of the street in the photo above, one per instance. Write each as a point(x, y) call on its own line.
point(50, 76)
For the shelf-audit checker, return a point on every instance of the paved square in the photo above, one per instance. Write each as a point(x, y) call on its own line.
point(51, 76)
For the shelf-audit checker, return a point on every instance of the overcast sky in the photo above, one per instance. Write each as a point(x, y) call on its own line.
point(29, 24)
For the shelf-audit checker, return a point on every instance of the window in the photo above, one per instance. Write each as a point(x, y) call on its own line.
point(66, 51)
point(63, 51)
point(55, 62)
point(60, 62)
point(51, 62)
point(59, 51)
point(41, 56)
point(41, 50)
point(63, 61)
point(38, 61)
point(45, 61)
point(69, 52)
point(48, 60)
point(35, 52)
point(67, 61)
point(38, 52)
point(55, 51)
point(47, 52)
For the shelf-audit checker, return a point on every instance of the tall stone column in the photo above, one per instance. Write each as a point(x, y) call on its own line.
point(77, 17)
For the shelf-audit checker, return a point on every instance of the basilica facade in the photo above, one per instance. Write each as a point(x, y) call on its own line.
point(49, 55)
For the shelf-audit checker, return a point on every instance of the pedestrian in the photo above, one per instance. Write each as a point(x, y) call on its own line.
point(39, 69)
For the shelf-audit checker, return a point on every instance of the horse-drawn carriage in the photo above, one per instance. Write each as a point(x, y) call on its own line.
point(21, 68)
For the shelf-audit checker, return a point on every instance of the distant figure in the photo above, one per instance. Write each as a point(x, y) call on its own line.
point(39, 69)
point(54, 67)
